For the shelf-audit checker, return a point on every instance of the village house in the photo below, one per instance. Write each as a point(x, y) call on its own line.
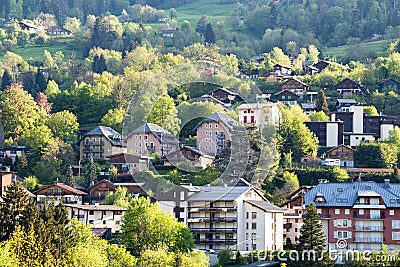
point(288, 98)
point(344, 153)
point(283, 70)
point(151, 137)
point(129, 163)
point(343, 105)
point(236, 217)
point(57, 30)
point(308, 108)
point(59, 192)
point(295, 86)
point(348, 87)
point(225, 95)
point(189, 154)
point(389, 84)
point(100, 190)
point(214, 132)
point(259, 114)
point(273, 77)
point(100, 142)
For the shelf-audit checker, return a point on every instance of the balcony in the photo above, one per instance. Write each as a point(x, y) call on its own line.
point(216, 241)
point(80, 216)
point(221, 136)
point(211, 219)
point(371, 217)
point(213, 230)
point(287, 225)
point(369, 239)
point(369, 228)
point(213, 209)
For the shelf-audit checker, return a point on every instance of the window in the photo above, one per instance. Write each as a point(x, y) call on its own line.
point(247, 215)
point(342, 223)
point(247, 225)
point(104, 212)
point(91, 212)
point(216, 133)
point(253, 225)
point(91, 221)
point(216, 125)
point(182, 195)
point(337, 211)
point(361, 211)
point(347, 211)
point(391, 212)
point(104, 222)
point(146, 137)
point(206, 125)
point(396, 235)
point(94, 140)
point(342, 234)
point(254, 215)
point(396, 224)
point(135, 136)
point(319, 211)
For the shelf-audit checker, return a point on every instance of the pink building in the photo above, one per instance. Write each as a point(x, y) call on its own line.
point(214, 132)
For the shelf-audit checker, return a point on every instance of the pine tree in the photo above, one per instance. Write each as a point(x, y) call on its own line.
point(16, 208)
point(312, 238)
point(6, 80)
point(321, 103)
point(40, 80)
point(91, 173)
point(99, 64)
point(22, 165)
point(69, 176)
point(209, 35)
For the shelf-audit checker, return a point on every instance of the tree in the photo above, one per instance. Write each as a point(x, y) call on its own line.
point(164, 113)
point(6, 80)
point(52, 89)
point(64, 125)
point(209, 35)
point(290, 184)
point(224, 257)
point(40, 81)
point(69, 177)
point(339, 174)
point(320, 102)
point(173, 14)
point(119, 198)
point(114, 119)
point(370, 110)
point(41, 100)
point(91, 173)
point(394, 136)
point(201, 25)
point(318, 116)
point(312, 238)
point(157, 257)
point(376, 155)
point(313, 53)
point(99, 64)
point(16, 208)
point(22, 165)
point(30, 182)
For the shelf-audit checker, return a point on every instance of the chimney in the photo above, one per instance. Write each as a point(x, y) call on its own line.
point(333, 116)
point(8, 168)
point(387, 181)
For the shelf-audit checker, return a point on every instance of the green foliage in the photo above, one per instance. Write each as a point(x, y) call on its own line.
point(287, 185)
point(63, 125)
point(120, 198)
point(376, 155)
point(370, 110)
point(224, 257)
point(339, 174)
point(318, 116)
point(91, 173)
point(164, 113)
point(30, 182)
point(320, 103)
point(114, 119)
point(157, 257)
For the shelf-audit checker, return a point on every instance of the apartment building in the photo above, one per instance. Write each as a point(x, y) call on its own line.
point(365, 214)
point(98, 216)
point(213, 133)
point(99, 143)
point(151, 137)
point(227, 217)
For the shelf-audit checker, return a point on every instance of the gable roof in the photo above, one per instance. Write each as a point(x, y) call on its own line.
point(162, 134)
point(223, 118)
point(346, 194)
point(225, 90)
point(338, 147)
point(115, 184)
point(295, 80)
point(294, 96)
point(63, 186)
point(264, 205)
point(208, 98)
point(358, 85)
point(390, 80)
point(112, 135)
point(193, 149)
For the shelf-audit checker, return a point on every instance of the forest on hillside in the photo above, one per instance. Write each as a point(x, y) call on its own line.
point(274, 22)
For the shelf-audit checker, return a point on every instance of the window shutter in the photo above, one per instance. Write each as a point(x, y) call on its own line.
point(335, 234)
point(335, 223)
point(349, 223)
point(349, 234)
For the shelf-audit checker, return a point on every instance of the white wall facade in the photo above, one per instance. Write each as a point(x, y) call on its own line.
point(358, 118)
point(332, 133)
point(356, 139)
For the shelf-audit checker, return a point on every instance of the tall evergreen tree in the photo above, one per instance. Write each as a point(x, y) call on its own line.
point(209, 35)
point(16, 208)
point(6, 80)
point(22, 165)
point(99, 64)
point(312, 238)
point(40, 80)
point(69, 177)
point(320, 102)
point(91, 173)
point(202, 25)
point(28, 80)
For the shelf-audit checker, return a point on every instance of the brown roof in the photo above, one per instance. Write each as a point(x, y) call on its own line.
point(94, 207)
point(65, 187)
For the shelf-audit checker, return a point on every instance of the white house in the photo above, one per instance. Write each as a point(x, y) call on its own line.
point(259, 114)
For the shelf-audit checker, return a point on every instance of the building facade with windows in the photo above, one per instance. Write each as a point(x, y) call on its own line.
point(227, 217)
point(259, 114)
point(59, 192)
point(214, 132)
point(100, 142)
point(98, 216)
point(364, 214)
point(151, 137)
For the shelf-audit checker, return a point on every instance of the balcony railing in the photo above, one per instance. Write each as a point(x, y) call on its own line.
point(213, 209)
point(369, 239)
point(216, 241)
point(211, 219)
point(369, 228)
point(214, 230)
point(370, 217)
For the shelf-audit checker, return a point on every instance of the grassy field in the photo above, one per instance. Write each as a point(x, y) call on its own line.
point(35, 52)
point(215, 11)
point(378, 48)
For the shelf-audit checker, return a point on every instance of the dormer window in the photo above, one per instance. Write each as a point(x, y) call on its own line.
point(319, 199)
